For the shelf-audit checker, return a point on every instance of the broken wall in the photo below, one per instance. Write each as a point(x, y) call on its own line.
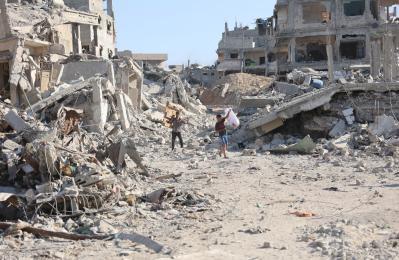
point(64, 37)
point(5, 30)
point(106, 36)
point(90, 6)
point(75, 70)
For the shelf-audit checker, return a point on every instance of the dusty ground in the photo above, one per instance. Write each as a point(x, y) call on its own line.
point(251, 199)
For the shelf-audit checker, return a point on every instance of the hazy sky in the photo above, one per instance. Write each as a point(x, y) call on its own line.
point(185, 29)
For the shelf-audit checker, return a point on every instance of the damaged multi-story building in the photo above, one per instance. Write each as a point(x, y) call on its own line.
point(47, 43)
point(324, 35)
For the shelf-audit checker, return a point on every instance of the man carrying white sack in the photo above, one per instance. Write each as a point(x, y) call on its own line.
point(220, 128)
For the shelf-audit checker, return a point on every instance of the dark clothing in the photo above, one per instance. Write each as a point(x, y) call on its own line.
point(178, 135)
point(221, 128)
point(176, 124)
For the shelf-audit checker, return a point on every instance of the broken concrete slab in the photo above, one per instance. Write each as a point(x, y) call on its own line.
point(339, 129)
point(384, 126)
point(56, 96)
point(266, 122)
point(12, 146)
point(288, 89)
point(117, 152)
point(16, 122)
point(75, 70)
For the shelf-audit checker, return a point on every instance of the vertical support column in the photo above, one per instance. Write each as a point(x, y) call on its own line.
point(77, 42)
point(122, 110)
point(95, 41)
point(92, 41)
point(16, 69)
point(367, 11)
point(99, 107)
point(388, 57)
point(375, 58)
point(2, 83)
point(368, 47)
point(140, 82)
point(395, 64)
point(266, 63)
point(330, 57)
point(337, 48)
point(292, 51)
point(110, 8)
point(291, 15)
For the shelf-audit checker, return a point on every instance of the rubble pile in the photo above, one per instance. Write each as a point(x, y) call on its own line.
point(63, 164)
point(229, 89)
point(350, 239)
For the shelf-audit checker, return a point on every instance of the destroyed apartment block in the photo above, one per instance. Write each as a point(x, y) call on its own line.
point(265, 123)
point(64, 94)
point(323, 35)
point(43, 44)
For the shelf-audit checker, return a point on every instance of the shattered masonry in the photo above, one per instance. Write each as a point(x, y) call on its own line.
point(72, 112)
point(323, 35)
point(37, 38)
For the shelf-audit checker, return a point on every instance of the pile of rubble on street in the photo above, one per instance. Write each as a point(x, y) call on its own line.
point(87, 168)
point(74, 128)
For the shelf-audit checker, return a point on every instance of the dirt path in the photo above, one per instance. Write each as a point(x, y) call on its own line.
point(252, 198)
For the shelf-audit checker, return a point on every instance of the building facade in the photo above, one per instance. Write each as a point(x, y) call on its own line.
point(329, 34)
point(30, 48)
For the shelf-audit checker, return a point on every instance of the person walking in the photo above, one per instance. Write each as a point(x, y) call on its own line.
point(177, 124)
point(220, 128)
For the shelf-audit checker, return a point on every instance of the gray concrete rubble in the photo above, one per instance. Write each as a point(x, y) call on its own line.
point(77, 121)
point(86, 136)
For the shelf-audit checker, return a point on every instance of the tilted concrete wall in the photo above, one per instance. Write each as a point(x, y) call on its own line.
point(74, 70)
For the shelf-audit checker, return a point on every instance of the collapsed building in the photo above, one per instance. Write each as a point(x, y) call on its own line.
point(44, 44)
point(75, 121)
point(60, 84)
point(323, 35)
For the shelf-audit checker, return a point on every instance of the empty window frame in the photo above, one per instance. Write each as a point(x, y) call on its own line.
point(233, 55)
point(313, 12)
point(354, 7)
point(353, 50)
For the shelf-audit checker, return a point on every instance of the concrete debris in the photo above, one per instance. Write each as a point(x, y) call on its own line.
point(384, 126)
point(231, 89)
point(339, 129)
point(325, 240)
point(85, 132)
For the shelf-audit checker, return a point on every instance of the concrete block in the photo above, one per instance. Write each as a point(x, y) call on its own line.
point(383, 126)
point(117, 152)
point(342, 81)
point(57, 49)
point(347, 112)
point(350, 120)
point(339, 129)
point(12, 146)
point(308, 80)
point(288, 89)
point(16, 122)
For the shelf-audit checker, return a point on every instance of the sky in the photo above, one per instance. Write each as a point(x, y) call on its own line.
point(184, 29)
